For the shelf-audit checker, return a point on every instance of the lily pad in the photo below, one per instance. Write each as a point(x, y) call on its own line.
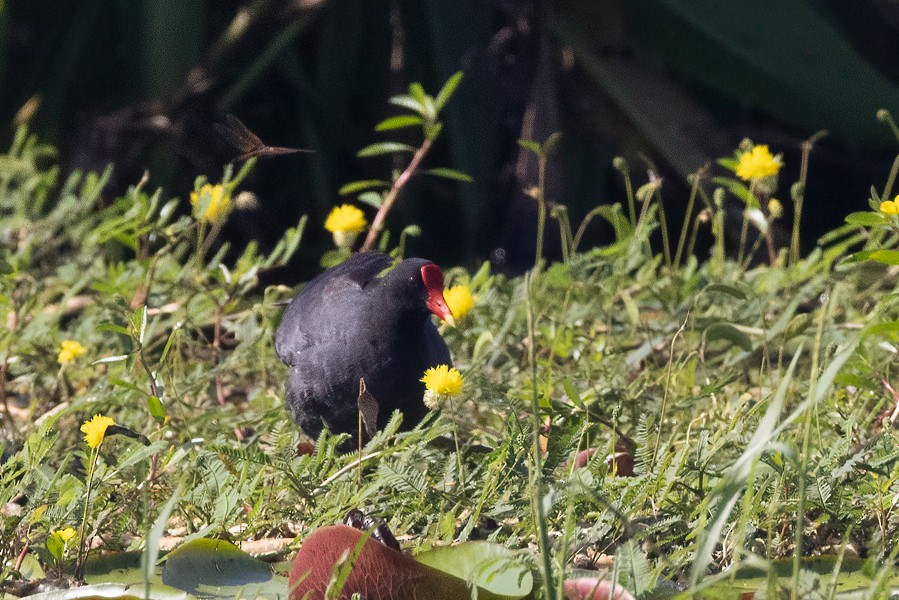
point(114, 590)
point(490, 566)
point(217, 568)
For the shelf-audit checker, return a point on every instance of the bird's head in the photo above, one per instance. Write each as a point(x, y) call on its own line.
point(418, 284)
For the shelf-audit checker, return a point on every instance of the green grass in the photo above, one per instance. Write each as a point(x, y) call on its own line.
point(751, 400)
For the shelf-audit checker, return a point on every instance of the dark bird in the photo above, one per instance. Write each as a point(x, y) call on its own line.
point(354, 321)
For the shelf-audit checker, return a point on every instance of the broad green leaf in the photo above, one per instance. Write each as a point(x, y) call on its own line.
point(156, 408)
point(219, 568)
point(572, 393)
point(494, 568)
point(114, 591)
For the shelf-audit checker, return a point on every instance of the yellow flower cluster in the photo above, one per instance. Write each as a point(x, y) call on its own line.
point(219, 202)
point(757, 163)
point(94, 430)
point(890, 207)
point(69, 350)
point(459, 300)
point(345, 222)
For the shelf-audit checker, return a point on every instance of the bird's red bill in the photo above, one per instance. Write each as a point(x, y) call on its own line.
point(433, 280)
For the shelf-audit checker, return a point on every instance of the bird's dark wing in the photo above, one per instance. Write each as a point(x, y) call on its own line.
point(324, 309)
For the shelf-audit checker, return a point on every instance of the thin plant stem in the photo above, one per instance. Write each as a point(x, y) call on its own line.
point(79, 563)
point(694, 190)
point(803, 455)
point(691, 246)
point(668, 379)
point(663, 225)
point(888, 188)
point(744, 229)
point(799, 197)
point(377, 224)
point(629, 191)
point(541, 208)
point(536, 470)
point(583, 227)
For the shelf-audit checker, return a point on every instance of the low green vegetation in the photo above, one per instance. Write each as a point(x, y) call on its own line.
point(692, 418)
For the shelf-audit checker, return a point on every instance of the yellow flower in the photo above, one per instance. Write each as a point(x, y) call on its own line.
point(443, 380)
point(65, 534)
point(757, 163)
point(94, 430)
point(219, 202)
point(346, 217)
point(345, 222)
point(459, 300)
point(69, 350)
point(890, 207)
point(775, 208)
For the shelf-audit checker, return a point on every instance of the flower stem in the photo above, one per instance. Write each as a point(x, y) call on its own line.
point(684, 230)
point(799, 196)
point(79, 563)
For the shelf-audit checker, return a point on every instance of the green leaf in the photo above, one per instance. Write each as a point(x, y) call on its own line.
point(496, 569)
point(532, 146)
point(737, 189)
point(156, 408)
point(399, 122)
point(449, 174)
point(221, 569)
point(374, 199)
point(384, 148)
point(730, 290)
point(890, 327)
point(55, 546)
point(432, 130)
point(866, 219)
point(359, 186)
point(151, 550)
point(727, 332)
point(887, 257)
point(572, 393)
point(447, 90)
point(408, 102)
point(111, 359)
point(113, 328)
point(417, 91)
point(550, 144)
point(139, 322)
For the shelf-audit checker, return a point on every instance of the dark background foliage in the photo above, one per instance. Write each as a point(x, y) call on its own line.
point(139, 83)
